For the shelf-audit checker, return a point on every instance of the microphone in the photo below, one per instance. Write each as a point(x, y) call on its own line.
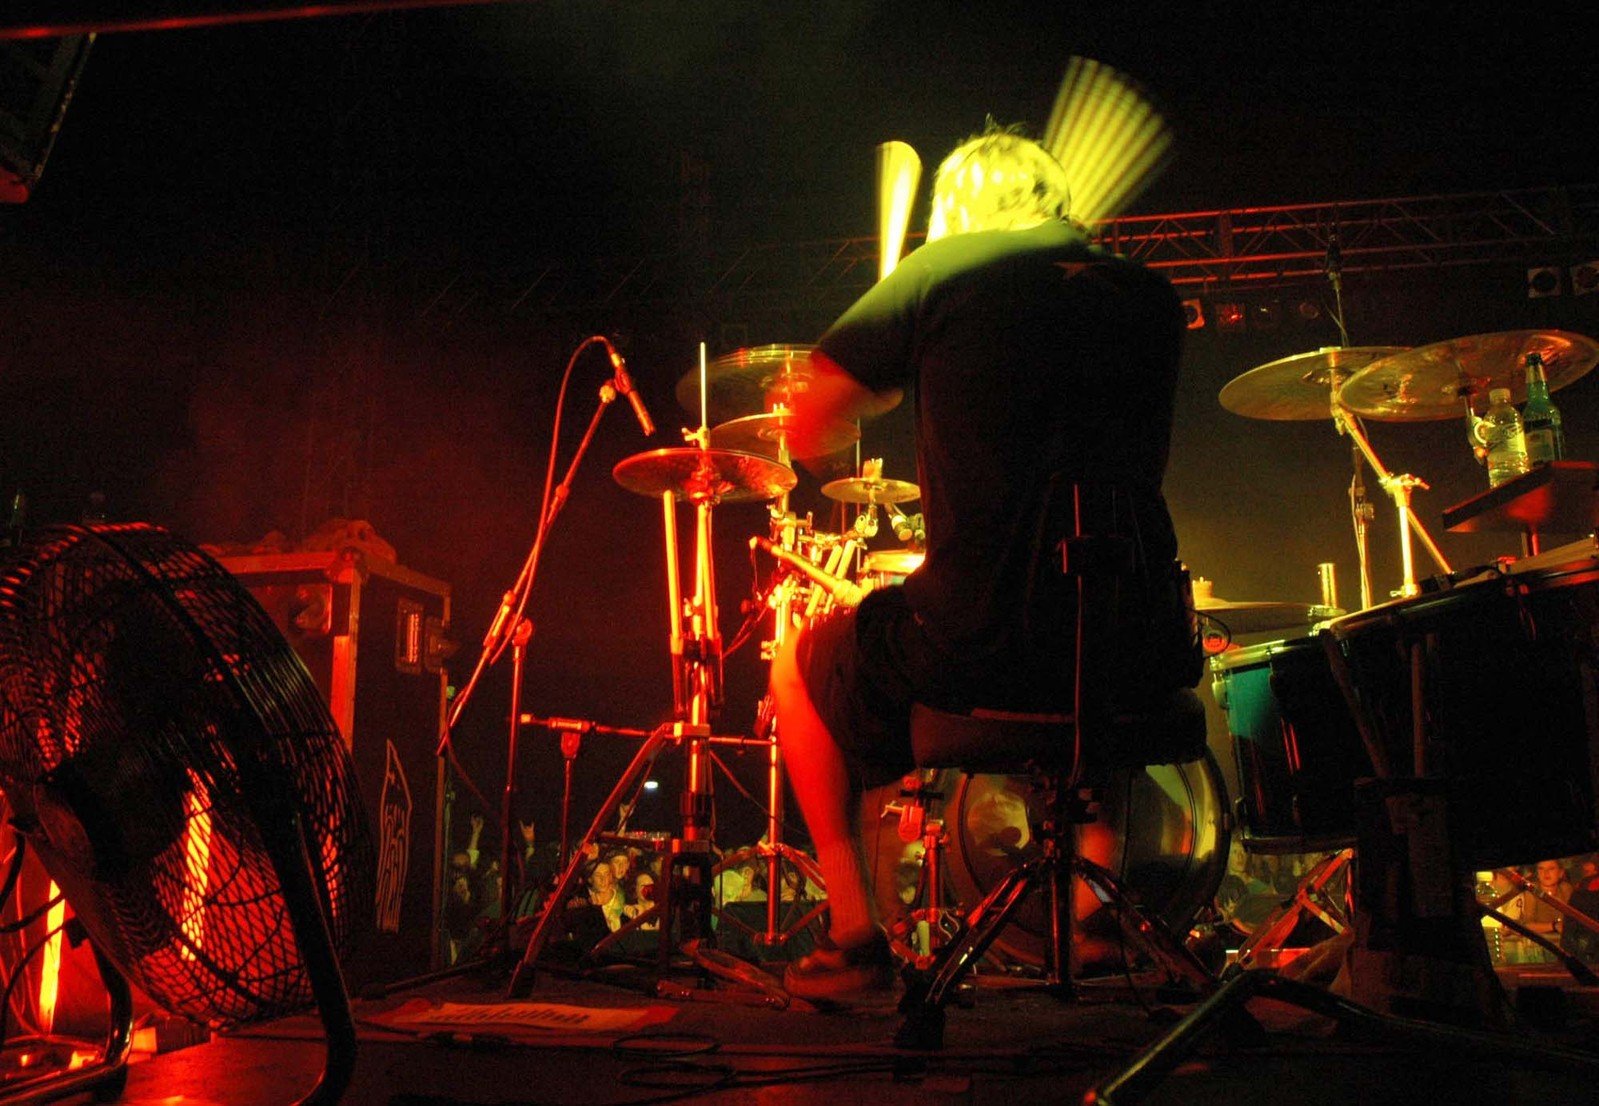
point(624, 384)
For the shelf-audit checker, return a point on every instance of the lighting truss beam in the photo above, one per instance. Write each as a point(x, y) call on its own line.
point(1250, 247)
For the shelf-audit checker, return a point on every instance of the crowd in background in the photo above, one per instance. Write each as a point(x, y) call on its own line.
point(616, 886)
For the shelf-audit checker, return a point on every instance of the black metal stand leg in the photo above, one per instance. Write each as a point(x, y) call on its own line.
point(555, 904)
point(1228, 1004)
point(929, 991)
point(286, 844)
point(1150, 935)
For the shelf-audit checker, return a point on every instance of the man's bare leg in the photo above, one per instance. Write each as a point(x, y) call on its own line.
point(820, 777)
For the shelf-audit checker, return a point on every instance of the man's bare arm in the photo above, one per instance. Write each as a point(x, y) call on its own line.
point(832, 394)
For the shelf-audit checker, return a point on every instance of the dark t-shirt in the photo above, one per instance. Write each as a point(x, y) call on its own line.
point(1027, 353)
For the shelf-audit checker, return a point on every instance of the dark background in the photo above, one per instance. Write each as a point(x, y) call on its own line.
point(248, 292)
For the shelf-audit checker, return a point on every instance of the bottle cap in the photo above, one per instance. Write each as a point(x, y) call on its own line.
point(1498, 395)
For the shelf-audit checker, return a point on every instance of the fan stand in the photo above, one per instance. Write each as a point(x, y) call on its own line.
point(284, 838)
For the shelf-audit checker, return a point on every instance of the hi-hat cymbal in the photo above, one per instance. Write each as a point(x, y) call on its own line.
point(718, 475)
point(748, 381)
point(1300, 387)
point(766, 432)
point(861, 489)
point(1429, 382)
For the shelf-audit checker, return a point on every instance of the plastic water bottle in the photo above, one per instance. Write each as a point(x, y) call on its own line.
point(1503, 438)
point(1540, 419)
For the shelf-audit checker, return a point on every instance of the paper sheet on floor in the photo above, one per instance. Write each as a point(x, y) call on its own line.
point(491, 1017)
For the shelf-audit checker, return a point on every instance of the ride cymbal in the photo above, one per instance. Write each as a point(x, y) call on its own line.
point(1429, 382)
point(748, 381)
point(718, 475)
point(767, 432)
point(1300, 387)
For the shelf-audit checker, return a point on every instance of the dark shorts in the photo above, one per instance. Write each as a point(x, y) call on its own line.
point(863, 668)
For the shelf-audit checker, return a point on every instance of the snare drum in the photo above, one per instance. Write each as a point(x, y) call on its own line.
point(1510, 703)
point(1297, 749)
point(890, 566)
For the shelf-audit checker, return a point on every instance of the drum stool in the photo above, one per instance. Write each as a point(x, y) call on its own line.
point(1170, 730)
point(1099, 566)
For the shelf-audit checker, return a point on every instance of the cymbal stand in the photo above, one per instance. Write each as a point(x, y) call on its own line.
point(1361, 512)
point(1399, 488)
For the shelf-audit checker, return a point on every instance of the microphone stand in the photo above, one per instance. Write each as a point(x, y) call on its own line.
point(510, 626)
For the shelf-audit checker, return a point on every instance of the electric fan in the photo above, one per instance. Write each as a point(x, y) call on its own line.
point(172, 762)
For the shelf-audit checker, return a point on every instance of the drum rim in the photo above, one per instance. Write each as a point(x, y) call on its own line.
point(1261, 651)
point(1503, 584)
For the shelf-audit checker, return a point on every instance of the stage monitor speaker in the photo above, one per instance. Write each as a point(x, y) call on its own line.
point(374, 637)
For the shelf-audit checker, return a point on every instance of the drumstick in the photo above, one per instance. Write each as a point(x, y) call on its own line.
point(1340, 673)
point(898, 171)
point(1108, 137)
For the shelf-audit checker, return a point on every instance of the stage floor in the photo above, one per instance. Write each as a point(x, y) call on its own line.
point(1012, 1045)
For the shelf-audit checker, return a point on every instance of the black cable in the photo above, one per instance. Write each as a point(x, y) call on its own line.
point(33, 916)
point(16, 974)
point(758, 804)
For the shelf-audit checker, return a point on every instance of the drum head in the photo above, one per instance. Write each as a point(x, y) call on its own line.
point(1162, 830)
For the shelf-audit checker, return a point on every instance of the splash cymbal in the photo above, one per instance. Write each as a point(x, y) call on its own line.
point(748, 381)
point(1300, 387)
point(1430, 382)
point(718, 475)
point(766, 432)
point(862, 489)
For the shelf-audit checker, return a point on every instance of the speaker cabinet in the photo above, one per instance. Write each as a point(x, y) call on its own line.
point(373, 635)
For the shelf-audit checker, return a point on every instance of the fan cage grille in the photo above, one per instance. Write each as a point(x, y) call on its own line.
point(153, 722)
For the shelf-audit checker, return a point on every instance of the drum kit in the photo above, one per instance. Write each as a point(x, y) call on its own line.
point(1304, 723)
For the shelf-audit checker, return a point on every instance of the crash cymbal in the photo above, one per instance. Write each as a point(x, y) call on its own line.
point(748, 381)
point(1430, 382)
point(1299, 387)
point(719, 475)
point(763, 433)
point(861, 489)
point(1253, 617)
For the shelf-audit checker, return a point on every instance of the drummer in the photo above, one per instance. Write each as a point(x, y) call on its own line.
point(1029, 353)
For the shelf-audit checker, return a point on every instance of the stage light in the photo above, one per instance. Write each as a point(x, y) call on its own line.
point(1229, 316)
point(1543, 281)
point(1309, 310)
point(652, 785)
point(1194, 314)
point(1585, 278)
point(1265, 316)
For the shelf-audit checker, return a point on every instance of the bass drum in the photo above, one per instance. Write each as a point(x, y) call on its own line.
point(1163, 830)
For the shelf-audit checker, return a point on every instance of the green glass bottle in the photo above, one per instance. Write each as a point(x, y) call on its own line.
point(1540, 419)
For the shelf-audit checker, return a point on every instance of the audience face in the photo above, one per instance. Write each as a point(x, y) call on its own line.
point(1550, 874)
point(602, 882)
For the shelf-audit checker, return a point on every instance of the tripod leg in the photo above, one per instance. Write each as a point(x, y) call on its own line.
point(923, 1004)
point(555, 905)
point(1151, 934)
